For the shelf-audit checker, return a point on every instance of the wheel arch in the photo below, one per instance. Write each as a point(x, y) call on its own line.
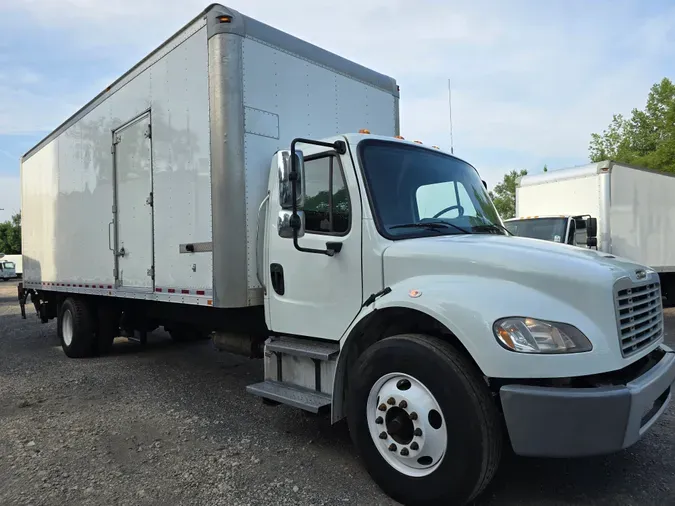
point(375, 326)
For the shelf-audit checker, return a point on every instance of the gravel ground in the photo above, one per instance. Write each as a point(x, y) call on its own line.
point(172, 424)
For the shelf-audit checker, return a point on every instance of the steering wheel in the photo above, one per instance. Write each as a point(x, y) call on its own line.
point(458, 207)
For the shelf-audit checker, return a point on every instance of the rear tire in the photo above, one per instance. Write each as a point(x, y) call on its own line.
point(75, 330)
point(452, 455)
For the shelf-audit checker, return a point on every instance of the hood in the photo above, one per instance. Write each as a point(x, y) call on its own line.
point(521, 260)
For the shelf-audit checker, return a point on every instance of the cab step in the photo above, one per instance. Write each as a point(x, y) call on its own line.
point(303, 348)
point(293, 395)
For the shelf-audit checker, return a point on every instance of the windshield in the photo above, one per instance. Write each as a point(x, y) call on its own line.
point(419, 192)
point(8, 265)
point(548, 229)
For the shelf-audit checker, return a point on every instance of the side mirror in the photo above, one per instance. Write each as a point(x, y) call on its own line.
point(285, 183)
point(484, 183)
point(591, 227)
point(284, 227)
point(592, 242)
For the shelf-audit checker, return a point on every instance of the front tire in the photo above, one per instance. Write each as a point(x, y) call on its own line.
point(75, 329)
point(423, 420)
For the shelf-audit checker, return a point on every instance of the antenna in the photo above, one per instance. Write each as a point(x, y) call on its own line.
point(452, 149)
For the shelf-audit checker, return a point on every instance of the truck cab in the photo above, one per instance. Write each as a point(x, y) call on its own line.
point(7, 270)
point(397, 298)
point(580, 230)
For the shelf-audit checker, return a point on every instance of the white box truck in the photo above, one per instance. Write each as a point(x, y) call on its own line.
point(630, 208)
point(193, 195)
point(10, 267)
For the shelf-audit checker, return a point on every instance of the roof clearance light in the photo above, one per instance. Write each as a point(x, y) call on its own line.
point(364, 131)
point(435, 147)
point(224, 19)
point(399, 137)
point(417, 142)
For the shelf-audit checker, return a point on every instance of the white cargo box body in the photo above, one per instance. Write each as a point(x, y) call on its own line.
point(151, 190)
point(634, 206)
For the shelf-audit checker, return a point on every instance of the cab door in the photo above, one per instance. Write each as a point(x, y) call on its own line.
point(313, 294)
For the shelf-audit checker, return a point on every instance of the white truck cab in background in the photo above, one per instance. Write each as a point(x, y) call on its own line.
point(7, 268)
point(281, 213)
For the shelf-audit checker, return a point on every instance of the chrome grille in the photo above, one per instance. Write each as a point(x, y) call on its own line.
point(640, 316)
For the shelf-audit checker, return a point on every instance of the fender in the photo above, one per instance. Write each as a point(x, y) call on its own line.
point(469, 305)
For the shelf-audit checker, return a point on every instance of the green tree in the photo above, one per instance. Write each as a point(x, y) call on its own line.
point(545, 168)
point(647, 138)
point(504, 194)
point(10, 236)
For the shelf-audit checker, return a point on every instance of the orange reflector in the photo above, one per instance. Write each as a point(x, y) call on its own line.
point(417, 142)
point(414, 293)
point(435, 147)
point(209, 302)
point(224, 19)
point(399, 137)
point(364, 131)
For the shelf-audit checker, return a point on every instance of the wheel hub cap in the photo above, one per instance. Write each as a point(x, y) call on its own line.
point(406, 424)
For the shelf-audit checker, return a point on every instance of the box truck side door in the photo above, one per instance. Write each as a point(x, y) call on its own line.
point(313, 294)
point(133, 194)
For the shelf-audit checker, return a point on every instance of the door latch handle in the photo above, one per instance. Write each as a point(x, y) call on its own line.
point(332, 248)
point(121, 252)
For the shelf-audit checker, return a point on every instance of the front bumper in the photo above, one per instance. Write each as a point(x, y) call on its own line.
point(578, 422)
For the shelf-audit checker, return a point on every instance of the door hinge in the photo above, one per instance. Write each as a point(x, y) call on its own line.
point(149, 200)
point(151, 272)
point(148, 132)
point(114, 273)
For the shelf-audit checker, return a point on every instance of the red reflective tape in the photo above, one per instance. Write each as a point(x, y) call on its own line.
point(201, 292)
point(185, 291)
point(171, 290)
point(109, 287)
point(101, 286)
point(158, 289)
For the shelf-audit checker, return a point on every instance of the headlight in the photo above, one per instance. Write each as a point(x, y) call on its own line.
point(527, 335)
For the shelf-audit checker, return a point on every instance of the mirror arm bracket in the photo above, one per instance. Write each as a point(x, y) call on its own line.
point(341, 148)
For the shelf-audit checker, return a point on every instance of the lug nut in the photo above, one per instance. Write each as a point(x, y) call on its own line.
point(405, 452)
point(383, 435)
point(413, 416)
point(403, 404)
point(414, 446)
point(391, 401)
point(382, 407)
point(379, 420)
point(418, 432)
point(392, 447)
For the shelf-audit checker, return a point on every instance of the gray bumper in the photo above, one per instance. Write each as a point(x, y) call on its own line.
point(577, 422)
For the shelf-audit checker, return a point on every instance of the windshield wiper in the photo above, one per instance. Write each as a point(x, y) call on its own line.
point(431, 225)
point(492, 226)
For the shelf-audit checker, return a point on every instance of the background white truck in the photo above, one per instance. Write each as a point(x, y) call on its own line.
point(10, 267)
point(371, 274)
point(632, 209)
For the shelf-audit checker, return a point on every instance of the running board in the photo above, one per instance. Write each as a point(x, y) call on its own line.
point(298, 397)
point(303, 348)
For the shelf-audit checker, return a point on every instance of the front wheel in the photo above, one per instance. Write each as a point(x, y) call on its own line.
point(423, 421)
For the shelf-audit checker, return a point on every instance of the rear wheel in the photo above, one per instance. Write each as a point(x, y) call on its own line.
point(423, 420)
point(75, 330)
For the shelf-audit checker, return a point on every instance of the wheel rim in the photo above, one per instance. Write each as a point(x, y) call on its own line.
point(406, 424)
point(67, 327)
